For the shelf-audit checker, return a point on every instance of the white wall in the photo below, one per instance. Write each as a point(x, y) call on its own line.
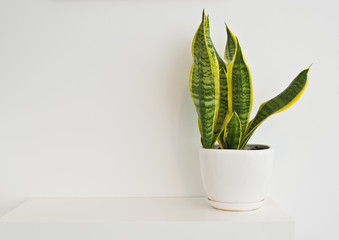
point(94, 99)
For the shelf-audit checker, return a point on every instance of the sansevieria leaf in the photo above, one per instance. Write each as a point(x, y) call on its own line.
point(240, 89)
point(222, 141)
point(231, 46)
point(223, 102)
point(209, 40)
point(204, 84)
point(277, 104)
point(233, 132)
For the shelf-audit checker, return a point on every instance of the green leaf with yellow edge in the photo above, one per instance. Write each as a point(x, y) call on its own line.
point(233, 132)
point(209, 40)
point(223, 102)
point(231, 46)
point(204, 84)
point(239, 89)
point(221, 141)
point(277, 104)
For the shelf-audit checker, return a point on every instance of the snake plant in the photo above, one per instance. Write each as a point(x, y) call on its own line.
point(221, 90)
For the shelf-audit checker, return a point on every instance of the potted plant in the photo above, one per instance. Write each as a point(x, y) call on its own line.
point(235, 174)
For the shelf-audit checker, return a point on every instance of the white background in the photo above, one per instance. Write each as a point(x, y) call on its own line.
point(94, 99)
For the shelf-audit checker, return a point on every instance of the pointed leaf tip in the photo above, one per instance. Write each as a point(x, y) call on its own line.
point(203, 14)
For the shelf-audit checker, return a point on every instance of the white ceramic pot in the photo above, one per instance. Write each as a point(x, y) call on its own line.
point(236, 180)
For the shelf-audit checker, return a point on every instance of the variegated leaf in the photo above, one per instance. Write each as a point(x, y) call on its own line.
point(233, 132)
point(277, 104)
point(204, 84)
point(223, 102)
point(239, 89)
point(231, 46)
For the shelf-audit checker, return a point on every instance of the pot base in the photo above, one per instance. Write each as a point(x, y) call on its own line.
point(236, 207)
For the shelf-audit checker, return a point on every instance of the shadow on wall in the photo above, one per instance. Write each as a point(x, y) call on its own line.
point(185, 138)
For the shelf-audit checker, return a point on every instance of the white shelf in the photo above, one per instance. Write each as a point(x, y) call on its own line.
point(141, 218)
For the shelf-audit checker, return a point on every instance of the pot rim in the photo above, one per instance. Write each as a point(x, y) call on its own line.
point(264, 148)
